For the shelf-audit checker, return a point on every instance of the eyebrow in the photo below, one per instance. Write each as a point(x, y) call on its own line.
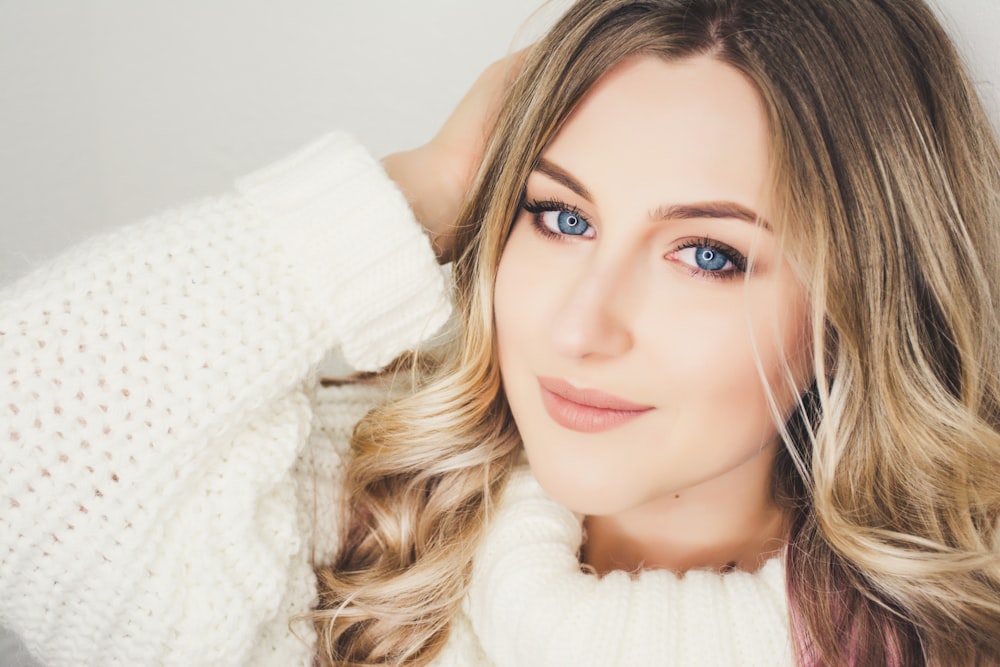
point(693, 211)
point(563, 177)
point(710, 209)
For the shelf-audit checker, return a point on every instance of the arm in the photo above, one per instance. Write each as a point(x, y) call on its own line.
point(436, 176)
point(149, 383)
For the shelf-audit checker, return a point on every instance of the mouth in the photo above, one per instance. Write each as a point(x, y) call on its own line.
point(586, 410)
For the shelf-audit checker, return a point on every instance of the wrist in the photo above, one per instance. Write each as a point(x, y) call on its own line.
point(430, 192)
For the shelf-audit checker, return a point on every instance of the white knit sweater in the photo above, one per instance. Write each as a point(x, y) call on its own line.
point(170, 463)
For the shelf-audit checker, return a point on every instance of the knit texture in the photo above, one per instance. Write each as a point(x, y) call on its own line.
point(170, 466)
point(157, 395)
point(530, 603)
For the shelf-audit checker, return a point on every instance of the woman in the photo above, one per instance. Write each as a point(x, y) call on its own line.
point(864, 142)
point(724, 274)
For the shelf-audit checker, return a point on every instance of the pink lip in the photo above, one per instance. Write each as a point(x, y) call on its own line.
point(586, 410)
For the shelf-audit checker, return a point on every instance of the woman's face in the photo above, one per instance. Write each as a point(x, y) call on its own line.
point(629, 323)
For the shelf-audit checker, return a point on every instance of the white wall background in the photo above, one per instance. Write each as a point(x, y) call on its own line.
point(114, 109)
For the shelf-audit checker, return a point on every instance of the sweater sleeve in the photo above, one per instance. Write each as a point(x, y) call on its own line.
point(152, 387)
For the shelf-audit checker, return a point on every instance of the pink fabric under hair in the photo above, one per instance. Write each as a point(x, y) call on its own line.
point(843, 606)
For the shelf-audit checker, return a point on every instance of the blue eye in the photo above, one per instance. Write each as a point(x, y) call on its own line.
point(709, 259)
point(570, 223)
point(559, 220)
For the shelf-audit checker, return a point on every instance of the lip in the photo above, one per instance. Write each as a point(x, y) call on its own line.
point(586, 410)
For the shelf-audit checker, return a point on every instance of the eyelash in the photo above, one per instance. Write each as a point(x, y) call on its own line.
point(537, 207)
point(738, 259)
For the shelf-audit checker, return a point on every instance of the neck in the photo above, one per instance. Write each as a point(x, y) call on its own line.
point(729, 522)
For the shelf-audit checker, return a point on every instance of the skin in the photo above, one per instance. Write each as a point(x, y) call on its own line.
point(436, 176)
point(625, 309)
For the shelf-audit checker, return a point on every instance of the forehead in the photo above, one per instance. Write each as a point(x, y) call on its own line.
point(691, 129)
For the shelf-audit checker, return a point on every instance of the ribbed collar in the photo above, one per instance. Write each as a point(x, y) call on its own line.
point(531, 605)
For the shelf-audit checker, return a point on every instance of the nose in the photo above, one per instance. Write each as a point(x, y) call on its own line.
point(594, 320)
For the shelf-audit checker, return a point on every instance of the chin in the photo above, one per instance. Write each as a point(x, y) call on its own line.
point(587, 490)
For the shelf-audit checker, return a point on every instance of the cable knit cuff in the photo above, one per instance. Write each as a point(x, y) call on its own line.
point(352, 238)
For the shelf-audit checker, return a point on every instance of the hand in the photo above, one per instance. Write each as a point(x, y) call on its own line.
point(436, 176)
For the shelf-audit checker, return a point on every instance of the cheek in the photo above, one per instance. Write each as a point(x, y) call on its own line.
point(519, 294)
point(703, 363)
point(510, 282)
point(707, 354)
point(780, 332)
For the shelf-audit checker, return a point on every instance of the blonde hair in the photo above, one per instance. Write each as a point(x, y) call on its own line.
point(886, 180)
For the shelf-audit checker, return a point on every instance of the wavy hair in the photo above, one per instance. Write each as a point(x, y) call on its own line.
point(886, 188)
